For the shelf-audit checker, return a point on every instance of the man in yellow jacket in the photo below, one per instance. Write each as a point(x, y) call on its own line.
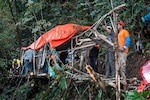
point(16, 65)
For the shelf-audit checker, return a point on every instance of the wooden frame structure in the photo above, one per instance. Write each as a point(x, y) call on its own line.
point(91, 36)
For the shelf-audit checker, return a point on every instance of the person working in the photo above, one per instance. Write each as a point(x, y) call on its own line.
point(28, 60)
point(123, 42)
point(109, 56)
point(16, 65)
point(93, 55)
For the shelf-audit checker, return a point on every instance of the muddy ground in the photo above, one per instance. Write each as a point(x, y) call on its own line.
point(134, 62)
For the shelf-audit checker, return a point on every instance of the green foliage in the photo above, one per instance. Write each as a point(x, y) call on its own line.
point(99, 95)
point(6, 91)
point(147, 46)
point(134, 95)
point(22, 91)
point(38, 16)
point(2, 62)
point(62, 83)
point(147, 50)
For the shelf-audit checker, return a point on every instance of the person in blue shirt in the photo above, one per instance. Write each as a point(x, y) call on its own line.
point(28, 60)
point(109, 56)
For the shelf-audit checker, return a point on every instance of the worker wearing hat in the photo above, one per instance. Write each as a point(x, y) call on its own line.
point(16, 65)
point(123, 37)
point(109, 56)
point(123, 42)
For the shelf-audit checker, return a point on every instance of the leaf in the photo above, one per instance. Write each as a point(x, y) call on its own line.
point(93, 13)
point(62, 83)
point(100, 4)
point(147, 46)
point(29, 3)
point(25, 20)
point(99, 95)
point(130, 95)
point(145, 93)
point(135, 95)
point(84, 9)
point(36, 29)
point(147, 52)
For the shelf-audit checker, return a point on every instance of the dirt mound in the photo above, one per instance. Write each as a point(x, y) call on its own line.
point(134, 62)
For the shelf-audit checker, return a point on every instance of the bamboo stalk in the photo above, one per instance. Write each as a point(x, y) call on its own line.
point(116, 53)
point(96, 79)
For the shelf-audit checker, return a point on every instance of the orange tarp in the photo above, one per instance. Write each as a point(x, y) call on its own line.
point(57, 36)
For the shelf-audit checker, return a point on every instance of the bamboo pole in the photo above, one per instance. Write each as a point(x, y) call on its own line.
point(72, 52)
point(34, 46)
point(116, 53)
point(34, 54)
point(117, 66)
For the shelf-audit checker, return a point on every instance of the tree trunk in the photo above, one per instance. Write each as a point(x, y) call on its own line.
point(14, 19)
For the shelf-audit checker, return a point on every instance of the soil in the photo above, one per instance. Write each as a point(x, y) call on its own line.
point(134, 62)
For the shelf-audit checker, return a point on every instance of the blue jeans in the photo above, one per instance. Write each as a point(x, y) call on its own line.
point(46, 67)
point(109, 64)
point(28, 66)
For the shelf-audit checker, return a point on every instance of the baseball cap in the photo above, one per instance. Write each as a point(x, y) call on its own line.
point(109, 27)
point(14, 59)
point(121, 23)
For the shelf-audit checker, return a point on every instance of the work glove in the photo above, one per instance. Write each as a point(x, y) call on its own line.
point(123, 48)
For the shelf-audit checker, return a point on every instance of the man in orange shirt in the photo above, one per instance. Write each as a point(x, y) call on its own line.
point(124, 42)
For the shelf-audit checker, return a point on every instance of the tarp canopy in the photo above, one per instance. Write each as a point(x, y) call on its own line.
point(57, 36)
